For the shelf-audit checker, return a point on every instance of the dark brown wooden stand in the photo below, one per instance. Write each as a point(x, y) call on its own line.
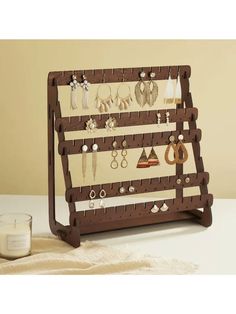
point(97, 220)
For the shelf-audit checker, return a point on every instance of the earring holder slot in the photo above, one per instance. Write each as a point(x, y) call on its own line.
point(77, 194)
point(137, 214)
point(162, 138)
point(125, 119)
point(121, 218)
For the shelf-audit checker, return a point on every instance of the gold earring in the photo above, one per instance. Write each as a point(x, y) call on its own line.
point(103, 104)
point(123, 102)
point(114, 153)
point(152, 90)
point(141, 90)
point(178, 91)
point(111, 124)
point(181, 150)
point(124, 162)
point(169, 92)
point(91, 125)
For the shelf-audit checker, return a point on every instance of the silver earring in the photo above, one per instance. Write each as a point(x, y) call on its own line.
point(131, 189)
point(74, 93)
point(84, 159)
point(85, 98)
point(91, 125)
point(92, 196)
point(187, 180)
point(158, 119)
point(122, 190)
point(102, 195)
point(111, 124)
point(167, 118)
point(155, 209)
point(94, 159)
point(141, 90)
point(164, 207)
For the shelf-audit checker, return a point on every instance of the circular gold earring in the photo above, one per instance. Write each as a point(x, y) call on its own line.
point(103, 104)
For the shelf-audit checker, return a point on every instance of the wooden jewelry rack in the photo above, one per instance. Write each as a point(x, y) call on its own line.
point(117, 217)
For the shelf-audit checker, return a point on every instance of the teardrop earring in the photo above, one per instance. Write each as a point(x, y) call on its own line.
point(102, 195)
point(141, 90)
point(181, 151)
point(92, 195)
point(74, 93)
point(178, 91)
point(152, 90)
point(143, 160)
point(173, 146)
point(169, 92)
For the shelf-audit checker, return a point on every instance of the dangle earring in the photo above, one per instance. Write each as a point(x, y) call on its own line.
point(92, 195)
point(181, 151)
point(102, 195)
point(169, 92)
point(141, 90)
point(153, 159)
point(173, 146)
point(84, 160)
point(85, 98)
point(155, 208)
point(122, 102)
point(74, 93)
point(94, 159)
point(143, 160)
point(178, 91)
point(167, 118)
point(152, 90)
point(114, 153)
point(158, 119)
point(124, 162)
point(103, 104)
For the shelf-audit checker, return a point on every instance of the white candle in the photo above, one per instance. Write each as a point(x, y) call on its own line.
point(15, 235)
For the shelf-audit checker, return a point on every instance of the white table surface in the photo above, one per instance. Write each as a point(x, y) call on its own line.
point(213, 248)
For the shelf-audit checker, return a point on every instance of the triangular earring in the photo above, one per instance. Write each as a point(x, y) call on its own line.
point(153, 159)
point(169, 92)
point(178, 92)
point(143, 160)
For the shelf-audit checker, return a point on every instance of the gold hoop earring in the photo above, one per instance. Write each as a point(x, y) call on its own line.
point(122, 102)
point(103, 104)
point(141, 90)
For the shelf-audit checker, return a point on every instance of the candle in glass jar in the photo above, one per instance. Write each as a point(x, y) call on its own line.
point(15, 235)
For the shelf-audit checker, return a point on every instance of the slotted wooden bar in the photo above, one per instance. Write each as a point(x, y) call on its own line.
point(103, 219)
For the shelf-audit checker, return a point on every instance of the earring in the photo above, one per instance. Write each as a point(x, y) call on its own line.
point(123, 102)
point(74, 94)
point(85, 98)
point(114, 153)
point(91, 125)
point(181, 151)
point(153, 159)
point(122, 190)
point(164, 207)
point(152, 90)
point(158, 119)
point(124, 162)
point(84, 160)
point(178, 92)
point(143, 160)
point(111, 124)
point(155, 209)
point(171, 145)
point(131, 189)
point(94, 159)
point(167, 118)
point(92, 196)
point(169, 92)
point(102, 195)
point(141, 90)
point(103, 104)
point(187, 180)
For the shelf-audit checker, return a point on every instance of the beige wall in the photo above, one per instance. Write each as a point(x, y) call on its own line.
point(24, 66)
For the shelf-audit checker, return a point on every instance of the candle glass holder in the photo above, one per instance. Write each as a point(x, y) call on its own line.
point(15, 235)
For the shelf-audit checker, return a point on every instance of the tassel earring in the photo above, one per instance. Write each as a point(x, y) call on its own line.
point(85, 98)
point(74, 93)
point(169, 92)
point(84, 160)
point(94, 159)
point(143, 160)
point(178, 91)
